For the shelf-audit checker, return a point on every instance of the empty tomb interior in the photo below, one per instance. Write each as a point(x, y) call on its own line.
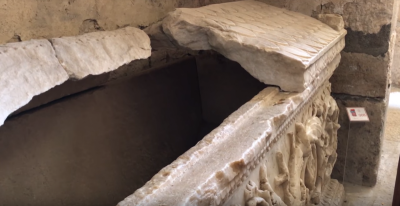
point(98, 146)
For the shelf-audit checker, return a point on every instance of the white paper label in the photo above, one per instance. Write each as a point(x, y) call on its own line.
point(357, 114)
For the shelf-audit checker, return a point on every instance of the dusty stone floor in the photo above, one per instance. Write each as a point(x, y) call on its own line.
point(382, 193)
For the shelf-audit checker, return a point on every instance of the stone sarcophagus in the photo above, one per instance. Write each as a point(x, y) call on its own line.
point(280, 147)
point(117, 129)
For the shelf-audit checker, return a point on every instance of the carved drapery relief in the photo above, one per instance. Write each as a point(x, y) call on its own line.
point(304, 177)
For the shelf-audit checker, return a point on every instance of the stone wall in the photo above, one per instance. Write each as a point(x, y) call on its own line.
point(24, 20)
point(362, 79)
point(396, 58)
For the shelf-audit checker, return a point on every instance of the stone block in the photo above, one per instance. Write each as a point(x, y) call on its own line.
point(276, 46)
point(375, 44)
point(362, 75)
point(101, 52)
point(26, 70)
point(335, 21)
point(364, 143)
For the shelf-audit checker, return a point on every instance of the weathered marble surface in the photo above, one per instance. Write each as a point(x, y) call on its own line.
point(26, 69)
point(32, 67)
point(218, 169)
point(276, 46)
point(100, 52)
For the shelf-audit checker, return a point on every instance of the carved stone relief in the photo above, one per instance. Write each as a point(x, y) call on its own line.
point(312, 154)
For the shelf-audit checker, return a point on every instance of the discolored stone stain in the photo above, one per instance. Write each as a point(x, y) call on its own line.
point(372, 44)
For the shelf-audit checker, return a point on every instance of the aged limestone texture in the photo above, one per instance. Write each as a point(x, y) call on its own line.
point(27, 69)
point(272, 44)
point(99, 52)
point(30, 68)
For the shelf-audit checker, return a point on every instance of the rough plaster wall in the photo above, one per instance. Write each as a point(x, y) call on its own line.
point(24, 20)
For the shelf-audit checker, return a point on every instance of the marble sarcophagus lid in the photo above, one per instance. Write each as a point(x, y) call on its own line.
point(280, 147)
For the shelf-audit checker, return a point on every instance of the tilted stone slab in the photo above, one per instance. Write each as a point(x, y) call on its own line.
point(100, 52)
point(26, 69)
point(276, 46)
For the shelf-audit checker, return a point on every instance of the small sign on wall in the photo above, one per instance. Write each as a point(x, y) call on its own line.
point(357, 114)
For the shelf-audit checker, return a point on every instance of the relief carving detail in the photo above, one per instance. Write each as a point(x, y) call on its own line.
point(312, 156)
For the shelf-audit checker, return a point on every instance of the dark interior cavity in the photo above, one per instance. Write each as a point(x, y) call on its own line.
point(99, 146)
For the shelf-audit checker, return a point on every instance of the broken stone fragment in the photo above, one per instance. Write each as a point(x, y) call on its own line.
point(100, 52)
point(26, 69)
point(335, 21)
point(276, 46)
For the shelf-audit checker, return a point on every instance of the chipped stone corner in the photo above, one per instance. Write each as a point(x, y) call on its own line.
point(335, 21)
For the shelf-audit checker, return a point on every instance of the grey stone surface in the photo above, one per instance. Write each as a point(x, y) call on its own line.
point(364, 143)
point(362, 74)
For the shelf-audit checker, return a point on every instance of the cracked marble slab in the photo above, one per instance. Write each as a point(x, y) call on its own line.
point(274, 45)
